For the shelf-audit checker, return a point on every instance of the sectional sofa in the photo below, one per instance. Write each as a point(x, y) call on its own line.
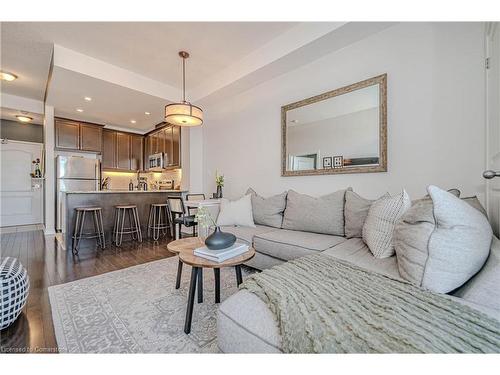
point(287, 228)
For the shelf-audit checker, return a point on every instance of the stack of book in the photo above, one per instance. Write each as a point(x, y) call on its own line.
point(221, 255)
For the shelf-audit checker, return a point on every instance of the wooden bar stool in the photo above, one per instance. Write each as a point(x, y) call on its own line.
point(159, 221)
point(79, 234)
point(134, 228)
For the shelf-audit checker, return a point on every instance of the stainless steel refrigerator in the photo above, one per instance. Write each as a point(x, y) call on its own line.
point(74, 173)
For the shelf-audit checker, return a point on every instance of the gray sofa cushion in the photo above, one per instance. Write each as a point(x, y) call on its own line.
point(355, 251)
point(288, 244)
point(246, 234)
point(268, 211)
point(474, 202)
point(356, 210)
point(484, 288)
point(442, 242)
point(318, 215)
point(454, 191)
point(246, 325)
point(263, 261)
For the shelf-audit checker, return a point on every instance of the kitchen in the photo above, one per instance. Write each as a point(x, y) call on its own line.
point(98, 166)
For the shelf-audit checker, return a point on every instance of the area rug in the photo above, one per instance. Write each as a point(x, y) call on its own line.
point(137, 310)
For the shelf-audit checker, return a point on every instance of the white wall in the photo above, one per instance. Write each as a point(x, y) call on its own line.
point(50, 201)
point(436, 132)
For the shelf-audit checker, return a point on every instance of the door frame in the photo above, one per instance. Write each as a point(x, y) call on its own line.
point(491, 56)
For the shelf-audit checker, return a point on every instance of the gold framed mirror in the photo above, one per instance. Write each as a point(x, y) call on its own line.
point(340, 131)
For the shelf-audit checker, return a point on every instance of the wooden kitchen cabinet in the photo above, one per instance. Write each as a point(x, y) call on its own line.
point(166, 140)
point(167, 133)
point(90, 137)
point(176, 146)
point(78, 136)
point(108, 149)
point(136, 152)
point(123, 151)
point(67, 134)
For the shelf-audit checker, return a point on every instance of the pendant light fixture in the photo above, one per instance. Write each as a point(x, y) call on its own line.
point(183, 113)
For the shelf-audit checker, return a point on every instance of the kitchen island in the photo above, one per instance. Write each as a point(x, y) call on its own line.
point(107, 200)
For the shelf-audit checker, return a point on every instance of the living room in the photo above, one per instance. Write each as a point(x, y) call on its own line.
point(237, 184)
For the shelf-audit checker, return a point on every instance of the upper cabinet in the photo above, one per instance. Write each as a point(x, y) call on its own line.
point(122, 151)
point(176, 146)
point(108, 149)
point(90, 137)
point(168, 141)
point(74, 135)
point(67, 134)
point(136, 152)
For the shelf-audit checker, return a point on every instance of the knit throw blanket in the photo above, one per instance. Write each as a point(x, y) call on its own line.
point(323, 305)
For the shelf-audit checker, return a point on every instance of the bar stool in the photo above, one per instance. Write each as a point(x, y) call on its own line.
point(159, 220)
point(79, 234)
point(134, 228)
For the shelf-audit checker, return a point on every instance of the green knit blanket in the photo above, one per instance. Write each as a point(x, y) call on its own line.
point(323, 305)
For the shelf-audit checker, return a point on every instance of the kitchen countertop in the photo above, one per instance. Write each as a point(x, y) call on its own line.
point(125, 191)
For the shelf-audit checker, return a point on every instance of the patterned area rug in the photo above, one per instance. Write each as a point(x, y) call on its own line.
point(137, 310)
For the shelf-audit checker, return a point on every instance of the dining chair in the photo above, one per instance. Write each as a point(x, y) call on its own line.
point(179, 215)
point(194, 197)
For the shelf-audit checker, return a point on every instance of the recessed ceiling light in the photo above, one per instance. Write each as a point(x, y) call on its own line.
point(133, 121)
point(6, 76)
point(79, 110)
point(88, 98)
point(147, 113)
point(24, 118)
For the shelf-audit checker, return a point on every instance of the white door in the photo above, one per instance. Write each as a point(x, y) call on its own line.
point(20, 195)
point(493, 125)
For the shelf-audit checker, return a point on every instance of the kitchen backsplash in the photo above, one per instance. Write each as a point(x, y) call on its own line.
point(120, 180)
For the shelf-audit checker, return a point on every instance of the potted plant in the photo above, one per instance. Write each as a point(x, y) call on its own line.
point(218, 239)
point(219, 182)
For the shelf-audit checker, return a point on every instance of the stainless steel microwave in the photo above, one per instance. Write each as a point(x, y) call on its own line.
point(156, 162)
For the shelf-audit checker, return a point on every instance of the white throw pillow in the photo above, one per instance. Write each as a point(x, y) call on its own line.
point(379, 225)
point(238, 212)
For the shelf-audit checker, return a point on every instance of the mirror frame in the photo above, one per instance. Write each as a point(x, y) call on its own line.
point(381, 80)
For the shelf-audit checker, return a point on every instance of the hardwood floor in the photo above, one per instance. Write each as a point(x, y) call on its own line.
point(49, 264)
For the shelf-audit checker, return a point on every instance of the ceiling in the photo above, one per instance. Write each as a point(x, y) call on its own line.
point(111, 104)
point(129, 68)
point(10, 114)
point(147, 48)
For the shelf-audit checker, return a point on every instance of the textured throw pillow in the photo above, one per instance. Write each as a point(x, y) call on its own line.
point(268, 211)
point(238, 212)
point(318, 215)
point(441, 242)
point(356, 210)
point(379, 224)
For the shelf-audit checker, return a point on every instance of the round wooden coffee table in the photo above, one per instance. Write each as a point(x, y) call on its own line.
point(185, 247)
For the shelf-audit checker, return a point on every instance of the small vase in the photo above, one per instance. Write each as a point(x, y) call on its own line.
point(219, 191)
point(220, 240)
